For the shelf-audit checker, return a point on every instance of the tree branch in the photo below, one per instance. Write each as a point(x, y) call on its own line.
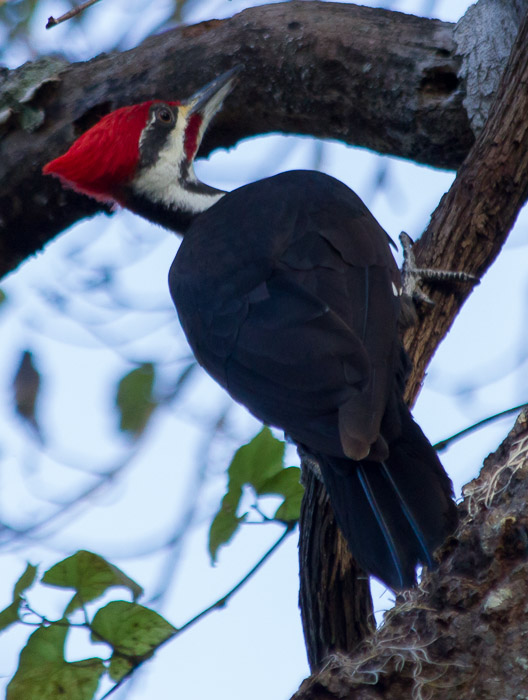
point(462, 633)
point(473, 220)
point(466, 232)
point(334, 594)
point(379, 79)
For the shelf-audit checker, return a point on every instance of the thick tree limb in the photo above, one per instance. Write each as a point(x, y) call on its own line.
point(383, 80)
point(466, 232)
point(334, 594)
point(473, 220)
point(462, 634)
point(370, 77)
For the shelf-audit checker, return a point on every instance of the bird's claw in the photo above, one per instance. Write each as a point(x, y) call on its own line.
point(412, 275)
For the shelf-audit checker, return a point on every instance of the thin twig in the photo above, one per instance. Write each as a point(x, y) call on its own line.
point(78, 501)
point(187, 519)
point(439, 446)
point(221, 602)
point(52, 22)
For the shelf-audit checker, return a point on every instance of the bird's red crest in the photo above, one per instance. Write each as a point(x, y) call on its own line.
point(106, 156)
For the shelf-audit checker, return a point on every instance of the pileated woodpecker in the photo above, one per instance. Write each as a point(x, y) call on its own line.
point(290, 298)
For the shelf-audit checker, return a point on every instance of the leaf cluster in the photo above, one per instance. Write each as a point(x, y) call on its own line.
point(260, 465)
point(132, 631)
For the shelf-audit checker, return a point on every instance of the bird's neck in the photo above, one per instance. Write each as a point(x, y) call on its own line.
point(172, 204)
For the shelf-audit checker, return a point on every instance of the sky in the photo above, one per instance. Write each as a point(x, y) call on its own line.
point(86, 335)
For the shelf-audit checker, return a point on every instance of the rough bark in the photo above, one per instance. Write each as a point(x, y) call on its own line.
point(466, 232)
point(378, 79)
point(334, 594)
point(462, 633)
point(484, 37)
point(383, 80)
point(473, 220)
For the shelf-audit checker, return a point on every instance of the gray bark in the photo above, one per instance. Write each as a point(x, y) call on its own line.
point(484, 37)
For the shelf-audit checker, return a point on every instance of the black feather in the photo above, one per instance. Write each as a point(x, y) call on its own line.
point(394, 514)
point(286, 291)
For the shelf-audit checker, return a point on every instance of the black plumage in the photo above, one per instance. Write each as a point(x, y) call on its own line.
point(290, 298)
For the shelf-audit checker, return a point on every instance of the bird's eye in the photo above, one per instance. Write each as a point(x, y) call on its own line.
point(165, 115)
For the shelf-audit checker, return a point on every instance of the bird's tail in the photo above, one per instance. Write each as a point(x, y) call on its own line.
point(395, 513)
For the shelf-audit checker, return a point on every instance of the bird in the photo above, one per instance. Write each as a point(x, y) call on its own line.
point(291, 299)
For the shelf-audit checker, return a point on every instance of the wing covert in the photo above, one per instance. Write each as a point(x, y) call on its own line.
point(300, 323)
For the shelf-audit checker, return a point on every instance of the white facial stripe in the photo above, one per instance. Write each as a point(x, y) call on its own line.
point(158, 181)
point(162, 183)
point(158, 186)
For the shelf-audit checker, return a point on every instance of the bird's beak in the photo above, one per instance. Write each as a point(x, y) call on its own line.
point(208, 100)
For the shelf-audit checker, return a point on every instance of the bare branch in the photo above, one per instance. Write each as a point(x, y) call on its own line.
point(222, 602)
point(52, 22)
point(334, 596)
point(357, 74)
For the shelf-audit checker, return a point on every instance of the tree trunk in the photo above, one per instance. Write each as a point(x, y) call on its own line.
point(466, 232)
point(462, 633)
point(334, 594)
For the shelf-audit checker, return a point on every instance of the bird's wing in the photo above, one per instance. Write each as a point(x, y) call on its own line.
point(302, 328)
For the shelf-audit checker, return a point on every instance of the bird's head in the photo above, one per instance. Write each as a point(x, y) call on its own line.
point(142, 156)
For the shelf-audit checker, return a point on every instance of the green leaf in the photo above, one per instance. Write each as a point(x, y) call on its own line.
point(43, 673)
point(259, 460)
point(253, 464)
point(90, 576)
point(134, 399)
point(132, 631)
point(3, 297)
point(224, 526)
point(287, 484)
point(120, 667)
point(10, 614)
point(25, 581)
point(26, 388)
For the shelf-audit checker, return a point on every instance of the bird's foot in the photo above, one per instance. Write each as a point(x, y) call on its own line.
point(412, 275)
